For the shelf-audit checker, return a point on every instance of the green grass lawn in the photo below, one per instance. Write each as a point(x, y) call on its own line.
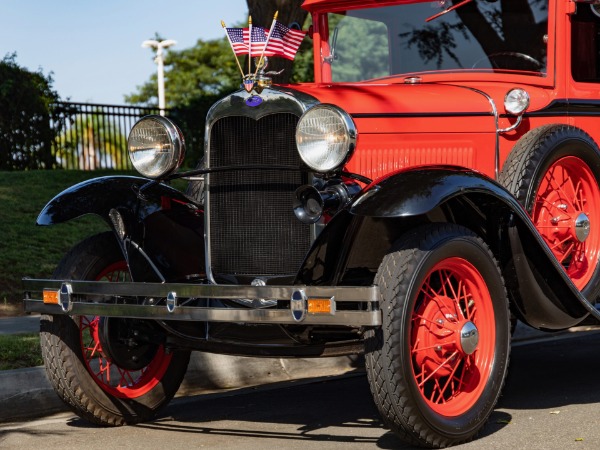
point(34, 251)
point(27, 249)
point(19, 351)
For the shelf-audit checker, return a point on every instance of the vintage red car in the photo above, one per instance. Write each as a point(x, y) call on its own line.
point(436, 182)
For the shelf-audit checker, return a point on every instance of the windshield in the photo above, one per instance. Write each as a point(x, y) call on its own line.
point(488, 35)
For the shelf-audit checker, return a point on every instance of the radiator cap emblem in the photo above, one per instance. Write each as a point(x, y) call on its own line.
point(298, 305)
point(248, 83)
point(254, 100)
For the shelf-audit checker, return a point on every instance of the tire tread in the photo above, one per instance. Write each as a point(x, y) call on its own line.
point(63, 360)
point(391, 397)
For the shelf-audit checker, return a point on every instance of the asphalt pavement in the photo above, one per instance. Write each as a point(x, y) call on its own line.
point(19, 325)
point(550, 402)
point(26, 393)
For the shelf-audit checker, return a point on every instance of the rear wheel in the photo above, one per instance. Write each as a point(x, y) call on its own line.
point(110, 371)
point(554, 171)
point(438, 363)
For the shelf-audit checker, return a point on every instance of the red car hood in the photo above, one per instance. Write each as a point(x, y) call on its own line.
point(400, 98)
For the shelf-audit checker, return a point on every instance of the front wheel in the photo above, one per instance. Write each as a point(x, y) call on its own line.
point(110, 371)
point(438, 363)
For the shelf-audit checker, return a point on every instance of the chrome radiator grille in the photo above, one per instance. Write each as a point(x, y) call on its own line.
point(253, 230)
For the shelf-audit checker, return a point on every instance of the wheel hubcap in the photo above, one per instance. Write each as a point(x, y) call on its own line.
point(582, 227)
point(469, 338)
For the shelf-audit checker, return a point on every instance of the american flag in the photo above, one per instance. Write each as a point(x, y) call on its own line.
point(284, 41)
point(259, 37)
point(236, 37)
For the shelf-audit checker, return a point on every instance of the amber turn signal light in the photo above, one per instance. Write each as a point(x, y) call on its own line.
point(319, 306)
point(50, 297)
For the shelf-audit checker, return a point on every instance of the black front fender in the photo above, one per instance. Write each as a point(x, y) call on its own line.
point(160, 230)
point(352, 246)
point(419, 191)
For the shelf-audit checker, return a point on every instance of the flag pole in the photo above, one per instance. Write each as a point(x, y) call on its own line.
point(231, 45)
point(262, 55)
point(249, 45)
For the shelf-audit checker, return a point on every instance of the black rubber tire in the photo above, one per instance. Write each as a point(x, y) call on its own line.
point(63, 356)
point(531, 158)
point(388, 348)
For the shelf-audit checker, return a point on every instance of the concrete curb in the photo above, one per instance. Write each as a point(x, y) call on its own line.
point(27, 393)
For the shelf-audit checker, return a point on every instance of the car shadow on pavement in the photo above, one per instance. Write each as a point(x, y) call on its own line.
point(336, 410)
point(542, 375)
point(553, 373)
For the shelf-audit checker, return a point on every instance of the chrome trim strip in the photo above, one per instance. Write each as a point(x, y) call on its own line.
point(513, 126)
point(419, 115)
point(273, 316)
point(275, 100)
point(107, 288)
point(498, 130)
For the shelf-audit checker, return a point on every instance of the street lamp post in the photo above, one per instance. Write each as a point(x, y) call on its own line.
point(159, 60)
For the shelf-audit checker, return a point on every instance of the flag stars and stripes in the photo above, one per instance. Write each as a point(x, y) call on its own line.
point(236, 37)
point(283, 42)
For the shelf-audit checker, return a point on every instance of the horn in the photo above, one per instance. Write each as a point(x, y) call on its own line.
point(308, 204)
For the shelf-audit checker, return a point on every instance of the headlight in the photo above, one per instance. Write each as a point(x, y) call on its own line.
point(325, 137)
point(516, 101)
point(156, 146)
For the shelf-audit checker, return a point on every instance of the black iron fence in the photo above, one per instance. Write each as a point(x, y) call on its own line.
point(88, 136)
point(94, 136)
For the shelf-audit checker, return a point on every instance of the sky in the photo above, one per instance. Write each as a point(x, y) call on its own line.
point(93, 48)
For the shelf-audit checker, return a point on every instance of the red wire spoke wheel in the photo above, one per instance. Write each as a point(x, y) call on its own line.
point(452, 337)
point(566, 212)
point(110, 371)
point(118, 381)
point(437, 364)
point(554, 171)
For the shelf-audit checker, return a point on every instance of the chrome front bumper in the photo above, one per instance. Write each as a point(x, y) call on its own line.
point(121, 300)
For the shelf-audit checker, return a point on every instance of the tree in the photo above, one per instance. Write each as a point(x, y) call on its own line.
point(361, 50)
point(195, 78)
point(290, 12)
point(208, 68)
point(92, 142)
point(26, 117)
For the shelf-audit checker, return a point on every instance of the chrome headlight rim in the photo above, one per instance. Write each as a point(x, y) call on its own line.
point(516, 101)
point(350, 131)
point(171, 160)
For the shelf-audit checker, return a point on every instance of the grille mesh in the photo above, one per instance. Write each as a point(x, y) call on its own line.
point(253, 230)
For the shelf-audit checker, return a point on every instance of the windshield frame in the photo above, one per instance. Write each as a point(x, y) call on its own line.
point(322, 53)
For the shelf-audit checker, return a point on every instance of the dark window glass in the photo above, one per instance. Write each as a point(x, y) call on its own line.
point(480, 35)
point(585, 51)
